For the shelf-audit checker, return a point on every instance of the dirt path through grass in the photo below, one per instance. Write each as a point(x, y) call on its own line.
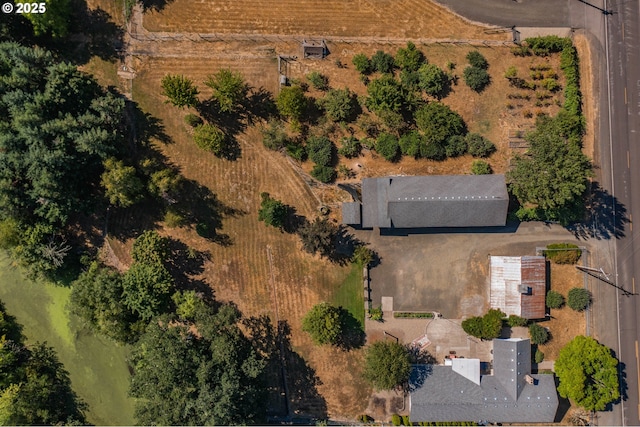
point(96, 366)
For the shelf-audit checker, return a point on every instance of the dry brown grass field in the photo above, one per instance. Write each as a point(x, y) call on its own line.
point(370, 18)
point(565, 323)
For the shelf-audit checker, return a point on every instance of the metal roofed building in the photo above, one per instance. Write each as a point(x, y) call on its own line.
point(434, 201)
point(518, 285)
point(511, 395)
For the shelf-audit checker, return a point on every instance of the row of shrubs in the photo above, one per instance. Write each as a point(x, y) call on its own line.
point(406, 314)
point(563, 253)
point(578, 299)
point(403, 420)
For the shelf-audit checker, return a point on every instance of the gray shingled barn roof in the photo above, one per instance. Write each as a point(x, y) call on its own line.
point(351, 213)
point(440, 394)
point(434, 201)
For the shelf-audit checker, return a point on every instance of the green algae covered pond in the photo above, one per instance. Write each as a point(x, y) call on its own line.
point(97, 366)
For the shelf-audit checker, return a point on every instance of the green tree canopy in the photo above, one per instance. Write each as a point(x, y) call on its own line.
point(323, 324)
point(385, 94)
point(58, 127)
point(147, 289)
point(121, 184)
point(340, 105)
point(478, 145)
point(96, 297)
point(409, 58)
point(229, 89)
point(433, 80)
point(320, 150)
point(553, 176)
point(387, 146)
point(382, 62)
point(35, 389)
point(362, 63)
point(54, 21)
point(291, 102)
point(272, 211)
point(588, 373)
point(209, 377)
point(210, 138)
point(387, 365)
point(476, 78)
point(150, 248)
point(438, 122)
point(179, 90)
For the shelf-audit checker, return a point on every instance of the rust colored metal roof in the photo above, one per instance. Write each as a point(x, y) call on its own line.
point(518, 285)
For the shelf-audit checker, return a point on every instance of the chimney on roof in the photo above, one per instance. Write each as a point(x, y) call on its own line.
point(529, 379)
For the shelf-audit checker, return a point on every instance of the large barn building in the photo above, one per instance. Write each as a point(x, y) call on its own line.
point(430, 201)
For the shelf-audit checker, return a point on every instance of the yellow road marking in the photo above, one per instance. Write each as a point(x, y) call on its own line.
point(625, 95)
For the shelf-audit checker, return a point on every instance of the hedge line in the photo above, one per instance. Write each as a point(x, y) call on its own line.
point(406, 314)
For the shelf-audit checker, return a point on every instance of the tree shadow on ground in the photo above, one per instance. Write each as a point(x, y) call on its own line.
point(186, 262)
point(293, 221)
point(143, 127)
point(231, 123)
point(292, 383)
point(606, 216)
point(353, 335)
point(259, 105)
point(202, 209)
point(155, 5)
point(92, 33)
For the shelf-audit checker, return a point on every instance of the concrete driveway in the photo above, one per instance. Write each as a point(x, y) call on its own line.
point(448, 272)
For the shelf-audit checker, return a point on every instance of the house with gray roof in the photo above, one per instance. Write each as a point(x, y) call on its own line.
point(430, 201)
point(512, 394)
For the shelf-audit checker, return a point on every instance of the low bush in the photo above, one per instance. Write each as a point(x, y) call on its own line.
point(538, 334)
point(173, 219)
point(350, 147)
point(578, 299)
point(320, 150)
point(554, 299)
point(318, 81)
point(193, 120)
point(539, 356)
point(297, 151)
point(324, 174)
point(514, 321)
point(476, 59)
point(479, 146)
point(406, 421)
point(375, 313)
point(480, 167)
point(395, 420)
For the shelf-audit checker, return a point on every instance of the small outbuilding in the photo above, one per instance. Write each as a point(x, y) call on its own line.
point(518, 285)
point(314, 49)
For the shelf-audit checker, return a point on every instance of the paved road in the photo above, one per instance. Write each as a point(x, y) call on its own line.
point(623, 30)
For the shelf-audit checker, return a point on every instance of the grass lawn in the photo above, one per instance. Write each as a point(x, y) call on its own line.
point(350, 294)
point(96, 366)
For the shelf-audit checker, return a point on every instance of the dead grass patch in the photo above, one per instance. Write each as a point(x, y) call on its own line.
point(565, 324)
